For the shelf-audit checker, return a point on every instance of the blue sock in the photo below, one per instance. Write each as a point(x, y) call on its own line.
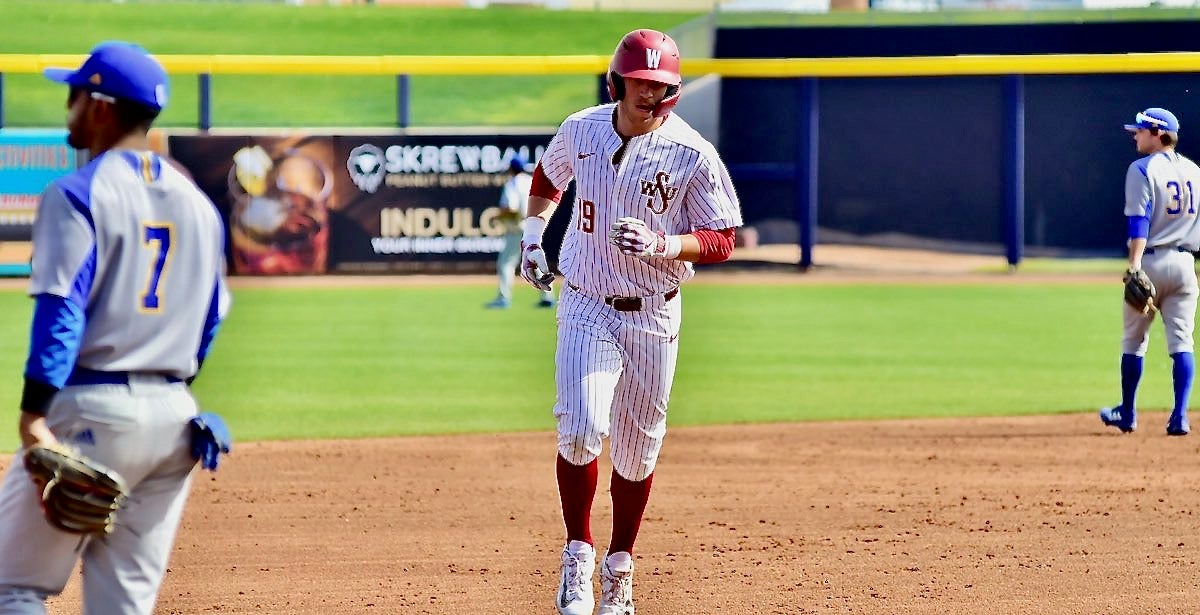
point(1131, 374)
point(1183, 372)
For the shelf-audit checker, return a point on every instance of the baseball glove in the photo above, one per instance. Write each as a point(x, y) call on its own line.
point(1139, 291)
point(78, 495)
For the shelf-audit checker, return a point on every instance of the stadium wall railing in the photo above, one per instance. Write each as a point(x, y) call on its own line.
point(797, 88)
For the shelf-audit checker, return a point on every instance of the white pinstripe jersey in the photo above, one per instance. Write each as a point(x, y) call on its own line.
point(1162, 187)
point(671, 178)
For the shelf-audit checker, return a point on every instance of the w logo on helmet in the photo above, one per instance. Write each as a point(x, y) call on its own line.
point(652, 58)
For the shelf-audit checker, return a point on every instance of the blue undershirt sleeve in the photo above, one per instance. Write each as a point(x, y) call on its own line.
point(212, 322)
point(1139, 227)
point(53, 349)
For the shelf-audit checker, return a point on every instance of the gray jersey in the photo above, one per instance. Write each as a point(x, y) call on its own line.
point(136, 244)
point(1162, 187)
point(514, 196)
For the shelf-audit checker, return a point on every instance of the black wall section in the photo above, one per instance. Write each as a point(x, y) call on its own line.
point(874, 41)
point(925, 156)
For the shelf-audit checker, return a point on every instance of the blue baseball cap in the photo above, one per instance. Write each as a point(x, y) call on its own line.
point(121, 70)
point(517, 163)
point(1154, 117)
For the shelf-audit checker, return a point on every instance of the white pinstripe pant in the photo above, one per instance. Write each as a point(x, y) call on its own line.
point(614, 374)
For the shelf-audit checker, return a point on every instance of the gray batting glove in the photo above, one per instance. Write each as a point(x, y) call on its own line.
point(534, 268)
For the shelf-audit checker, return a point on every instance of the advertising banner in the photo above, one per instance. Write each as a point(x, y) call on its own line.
point(426, 203)
point(29, 160)
point(304, 204)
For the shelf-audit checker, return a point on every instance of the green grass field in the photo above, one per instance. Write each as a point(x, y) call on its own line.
point(294, 363)
point(321, 100)
point(385, 361)
point(72, 26)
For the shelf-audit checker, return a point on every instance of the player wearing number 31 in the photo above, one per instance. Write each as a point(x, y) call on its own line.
point(1164, 230)
point(129, 289)
point(652, 197)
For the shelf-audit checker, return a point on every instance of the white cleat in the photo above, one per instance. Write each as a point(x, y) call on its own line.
point(575, 587)
point(616, 584)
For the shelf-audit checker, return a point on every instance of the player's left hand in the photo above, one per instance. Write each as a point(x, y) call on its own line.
point(633, 238)
point(1140, 293)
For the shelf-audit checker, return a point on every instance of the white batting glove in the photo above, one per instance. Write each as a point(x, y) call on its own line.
point(534, 268)
point(633, 238)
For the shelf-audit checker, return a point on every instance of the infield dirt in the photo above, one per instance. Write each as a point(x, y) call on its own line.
point(997, 515)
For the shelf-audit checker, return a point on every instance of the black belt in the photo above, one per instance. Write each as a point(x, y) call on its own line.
point(628, 304)
point(1176, 248)
point(85, 376)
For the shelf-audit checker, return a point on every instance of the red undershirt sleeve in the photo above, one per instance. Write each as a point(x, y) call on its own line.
point(715, 246)
point(543, 187)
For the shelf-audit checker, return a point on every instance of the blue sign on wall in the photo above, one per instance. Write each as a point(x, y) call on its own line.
point(29, 160)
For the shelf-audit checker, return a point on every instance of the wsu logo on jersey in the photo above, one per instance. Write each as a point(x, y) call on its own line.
point(659, 190)
point(365, 164)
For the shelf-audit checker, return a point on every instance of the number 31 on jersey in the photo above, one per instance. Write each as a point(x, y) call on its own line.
point(1177, 197)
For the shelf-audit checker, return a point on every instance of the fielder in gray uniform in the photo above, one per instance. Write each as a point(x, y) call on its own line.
point(129, 290)
point(514, 203)
point(1160, 204)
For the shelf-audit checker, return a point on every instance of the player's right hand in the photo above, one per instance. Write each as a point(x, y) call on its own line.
point(534, 268)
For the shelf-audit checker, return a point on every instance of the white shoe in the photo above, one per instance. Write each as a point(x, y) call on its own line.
point(616, 584)
point(575, 587)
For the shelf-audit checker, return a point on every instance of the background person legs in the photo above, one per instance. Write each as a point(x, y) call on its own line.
point(506, 266)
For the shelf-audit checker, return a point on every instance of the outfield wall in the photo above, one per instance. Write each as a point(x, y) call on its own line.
point(926, 157)
point(937, 148)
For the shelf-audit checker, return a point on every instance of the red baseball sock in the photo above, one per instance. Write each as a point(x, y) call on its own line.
point(576, 490)
point(629, 502)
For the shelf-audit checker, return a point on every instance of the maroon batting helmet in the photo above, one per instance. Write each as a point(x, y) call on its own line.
point(649, 55)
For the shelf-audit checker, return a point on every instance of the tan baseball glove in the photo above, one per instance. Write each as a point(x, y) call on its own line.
point(1139, 291)
point(78, 495)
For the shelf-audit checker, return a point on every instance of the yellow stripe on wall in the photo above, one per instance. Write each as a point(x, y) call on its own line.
point(595, 65)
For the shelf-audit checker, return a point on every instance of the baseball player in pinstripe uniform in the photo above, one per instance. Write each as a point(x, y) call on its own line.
point(129, 290)
point(1164, 230)
point(652, 197)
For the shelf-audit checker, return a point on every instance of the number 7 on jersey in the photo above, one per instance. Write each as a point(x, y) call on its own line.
point(155, 237)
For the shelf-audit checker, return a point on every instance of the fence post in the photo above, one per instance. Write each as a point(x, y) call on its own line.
point(1014, 175)
point(1, 100)
point(805, 172)
point(603, 94)
point(205, 96)
point(402, 112)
